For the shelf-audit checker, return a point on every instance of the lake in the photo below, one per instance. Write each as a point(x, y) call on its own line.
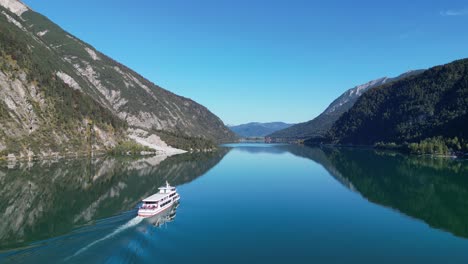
point(246, 203)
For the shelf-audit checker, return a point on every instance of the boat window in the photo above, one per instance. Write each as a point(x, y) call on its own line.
point(163, 204)
point(149, 205)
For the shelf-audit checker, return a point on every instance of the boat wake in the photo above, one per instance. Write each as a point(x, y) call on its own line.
point(131, 223)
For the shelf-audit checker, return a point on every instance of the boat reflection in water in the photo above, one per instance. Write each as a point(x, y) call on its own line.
point(164, 217)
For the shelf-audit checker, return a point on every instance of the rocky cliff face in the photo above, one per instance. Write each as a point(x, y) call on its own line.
point(348, 98)
point(43, 66)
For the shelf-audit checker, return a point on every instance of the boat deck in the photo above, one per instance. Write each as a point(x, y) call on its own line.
point(156, 197)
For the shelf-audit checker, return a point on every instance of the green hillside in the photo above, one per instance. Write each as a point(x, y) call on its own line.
point(318, 127)
point(432, 105)
point(58, 94)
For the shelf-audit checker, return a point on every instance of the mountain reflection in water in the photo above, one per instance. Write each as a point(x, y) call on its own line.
point(85, 211)
point(52, 198)
point(434, 190)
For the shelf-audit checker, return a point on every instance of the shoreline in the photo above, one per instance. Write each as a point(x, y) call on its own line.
point(56, 156)
point(76, 155)
point(399, 149)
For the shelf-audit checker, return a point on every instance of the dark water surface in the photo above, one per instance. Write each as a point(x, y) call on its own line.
point(251, 203)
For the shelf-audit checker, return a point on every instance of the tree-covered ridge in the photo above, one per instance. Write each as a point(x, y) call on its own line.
point(318, 127)
point(58, 94)
point(432, 104)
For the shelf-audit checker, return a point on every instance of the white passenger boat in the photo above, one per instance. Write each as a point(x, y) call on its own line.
point(158, 202)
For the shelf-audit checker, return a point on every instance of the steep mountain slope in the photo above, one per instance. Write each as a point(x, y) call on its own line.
point(434, 103)
point(59, 92)
point(319, 126)
point(255, 129)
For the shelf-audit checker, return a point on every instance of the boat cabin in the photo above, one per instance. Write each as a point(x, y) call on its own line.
point(161, 198)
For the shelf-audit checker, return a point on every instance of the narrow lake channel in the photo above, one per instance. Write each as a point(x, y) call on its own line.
point(246, 203)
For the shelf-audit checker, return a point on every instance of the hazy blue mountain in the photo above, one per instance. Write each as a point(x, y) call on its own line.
point(256, 129)
point(319, 126)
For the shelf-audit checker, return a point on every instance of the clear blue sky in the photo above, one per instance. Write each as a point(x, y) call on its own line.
point(266, 60)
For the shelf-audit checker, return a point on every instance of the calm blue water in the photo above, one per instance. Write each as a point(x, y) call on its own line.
point(252, 203)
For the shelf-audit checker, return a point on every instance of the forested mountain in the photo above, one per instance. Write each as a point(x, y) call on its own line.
point(256, 129)
point(58, 94)
point(430, 105)
point(319, 126)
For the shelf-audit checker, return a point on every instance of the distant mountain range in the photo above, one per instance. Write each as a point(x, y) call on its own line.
point(319, 126)
point(58, 94)
point(256, 129)
point(431, 104)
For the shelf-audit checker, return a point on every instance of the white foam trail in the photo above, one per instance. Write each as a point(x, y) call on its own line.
point(133, 222)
